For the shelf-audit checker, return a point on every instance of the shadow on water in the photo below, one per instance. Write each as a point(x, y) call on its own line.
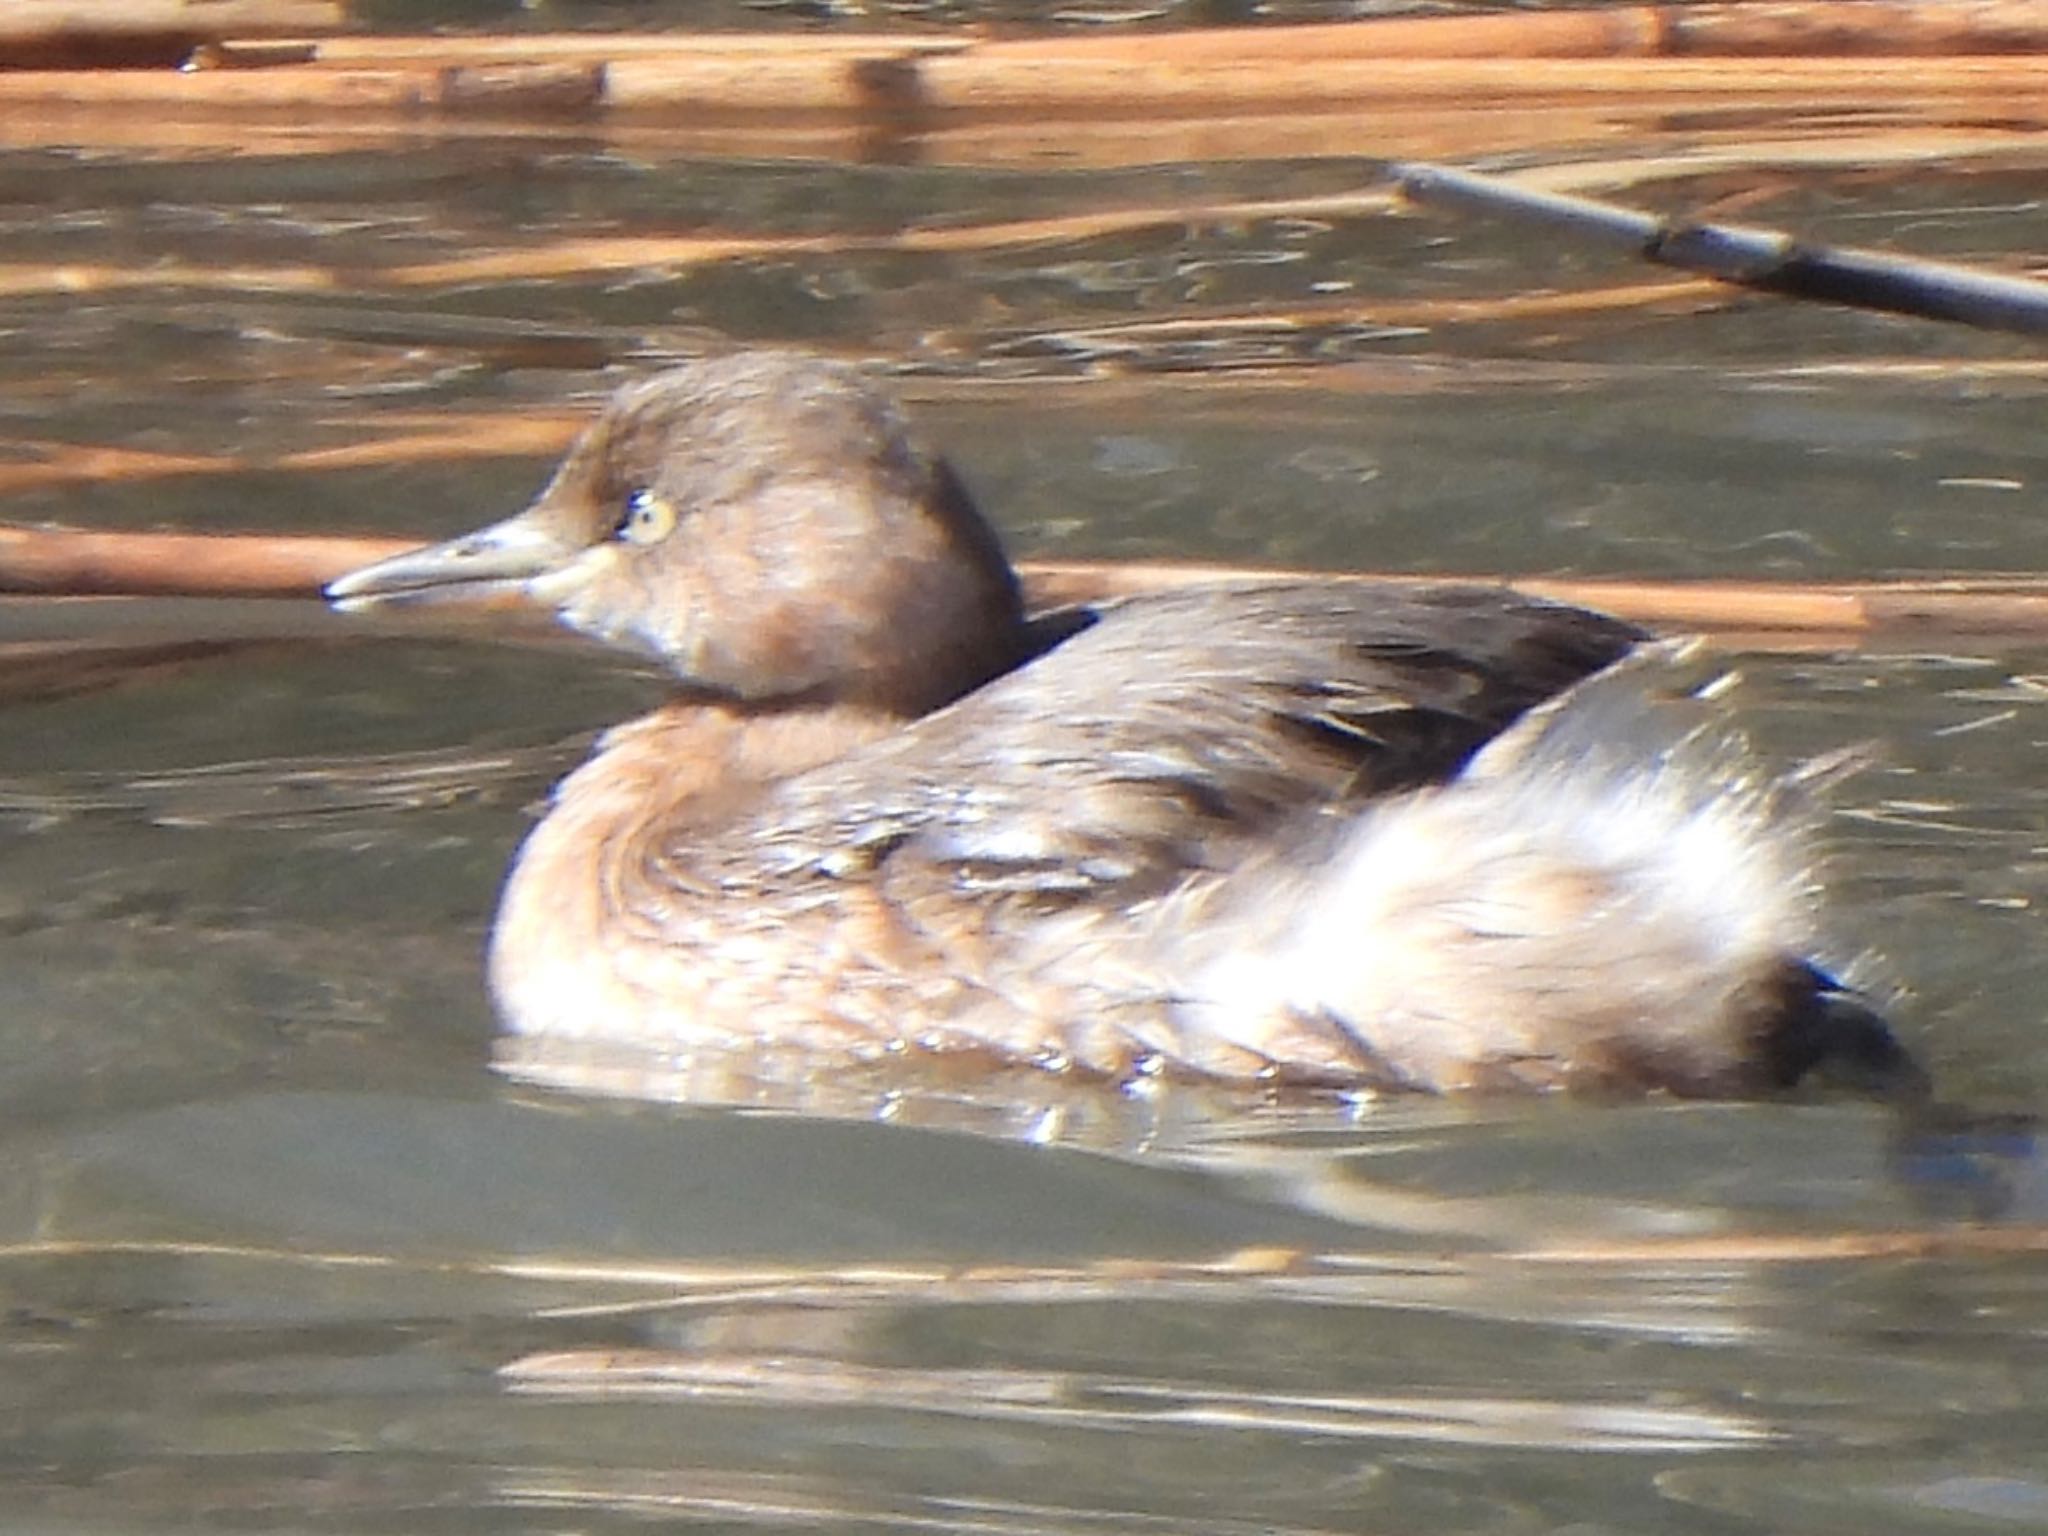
point(281, 1253)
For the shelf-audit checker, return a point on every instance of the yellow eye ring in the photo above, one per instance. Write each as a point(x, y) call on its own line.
point(649, 518)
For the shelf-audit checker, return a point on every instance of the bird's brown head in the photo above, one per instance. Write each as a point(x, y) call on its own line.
point(766, 525)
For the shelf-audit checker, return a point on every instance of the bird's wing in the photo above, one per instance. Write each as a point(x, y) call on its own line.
point(1170, 735)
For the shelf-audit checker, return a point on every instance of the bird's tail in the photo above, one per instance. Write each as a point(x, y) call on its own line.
point(1611, 894)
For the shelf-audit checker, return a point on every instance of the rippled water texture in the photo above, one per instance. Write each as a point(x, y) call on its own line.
point(279, 1253)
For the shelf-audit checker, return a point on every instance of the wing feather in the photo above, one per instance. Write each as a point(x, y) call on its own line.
point(1170, 736)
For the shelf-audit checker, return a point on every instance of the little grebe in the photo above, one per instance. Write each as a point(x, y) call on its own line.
point(1321, 833)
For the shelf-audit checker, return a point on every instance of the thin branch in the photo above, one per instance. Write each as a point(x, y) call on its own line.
point(1755, 258)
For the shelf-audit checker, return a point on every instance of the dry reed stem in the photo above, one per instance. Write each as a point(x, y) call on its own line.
point(145, 34)
point(221, 19)
point(1813, 28)
point(2007, 606)
point(77, 563)
point(601, 47)
point(447, 436)
point(1199, 74)
point(1419, 88)
point(73, 563)
point(73, 464)
point(855, 71)
point(1116, 89)
point(922, 91)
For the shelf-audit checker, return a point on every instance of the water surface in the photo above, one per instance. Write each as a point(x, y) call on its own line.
point(280, 1253)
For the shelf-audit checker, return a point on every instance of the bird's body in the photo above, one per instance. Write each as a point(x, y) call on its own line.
point(1330, 833)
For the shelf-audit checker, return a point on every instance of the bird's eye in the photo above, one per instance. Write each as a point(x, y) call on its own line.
point(648, 518)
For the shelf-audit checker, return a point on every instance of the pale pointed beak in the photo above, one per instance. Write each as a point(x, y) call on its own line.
point(491, 568)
